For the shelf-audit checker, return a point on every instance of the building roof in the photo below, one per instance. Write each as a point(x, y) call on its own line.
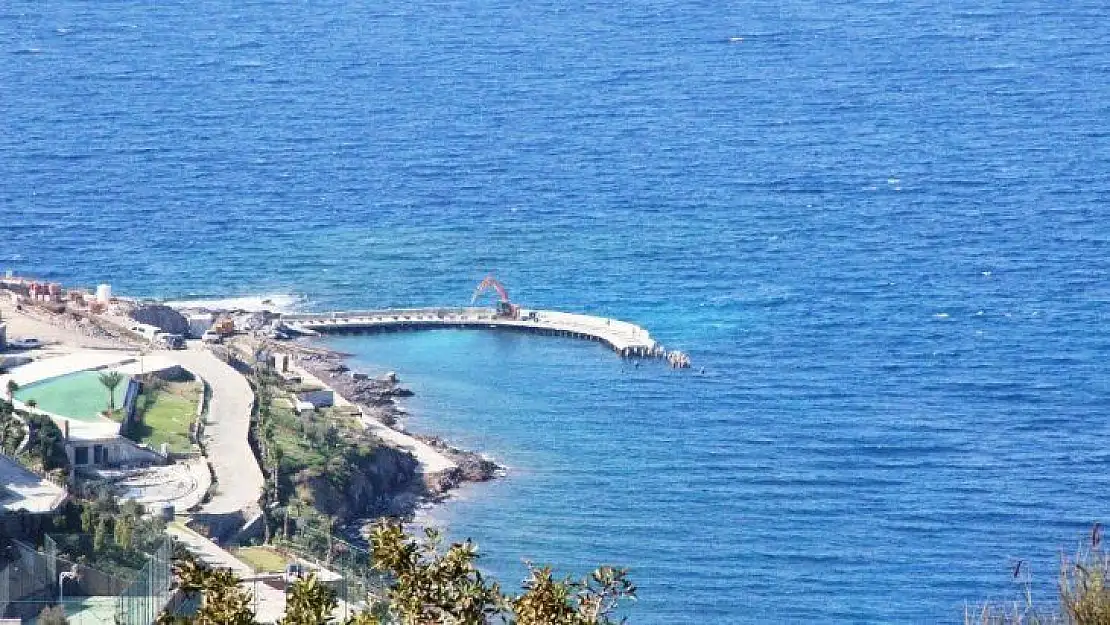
point(23, 490)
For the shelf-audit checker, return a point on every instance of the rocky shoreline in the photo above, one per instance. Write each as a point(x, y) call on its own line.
point(378, 398)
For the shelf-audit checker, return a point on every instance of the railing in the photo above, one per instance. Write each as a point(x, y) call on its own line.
point(387, 313)
point(618, 334)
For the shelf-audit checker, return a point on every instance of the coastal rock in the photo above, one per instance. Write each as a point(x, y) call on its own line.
point(369, 486)
point(438, 484)
point(403, 504)
point(162, 317)
point(252, 321)
point(377, 399)
point(473, 467)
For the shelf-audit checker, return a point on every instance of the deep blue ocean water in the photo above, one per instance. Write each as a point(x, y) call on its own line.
point(879, 226)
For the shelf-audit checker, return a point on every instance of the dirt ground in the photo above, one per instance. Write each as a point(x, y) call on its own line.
point(60, 333)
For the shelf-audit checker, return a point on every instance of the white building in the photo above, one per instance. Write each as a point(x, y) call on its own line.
point(199, 323)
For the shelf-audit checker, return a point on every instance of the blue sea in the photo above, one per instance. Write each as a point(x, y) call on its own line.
point(880, 227)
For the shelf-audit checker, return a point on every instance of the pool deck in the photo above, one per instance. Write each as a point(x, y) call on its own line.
point(47, 368)
point(127, 362)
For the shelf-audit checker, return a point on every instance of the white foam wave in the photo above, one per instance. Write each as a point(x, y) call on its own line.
point(274, 302)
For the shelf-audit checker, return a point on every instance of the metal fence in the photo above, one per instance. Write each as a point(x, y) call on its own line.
point(50, 549)
point(31, 581)
point(359, 584)
point(27, 584)
point(146, 597)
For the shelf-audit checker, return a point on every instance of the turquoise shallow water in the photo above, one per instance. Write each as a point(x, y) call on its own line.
point(879, 226)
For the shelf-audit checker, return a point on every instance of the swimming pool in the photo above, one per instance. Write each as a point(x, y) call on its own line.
point(79, 396)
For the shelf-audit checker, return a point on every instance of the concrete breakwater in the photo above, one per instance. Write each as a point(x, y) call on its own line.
point(627, 339)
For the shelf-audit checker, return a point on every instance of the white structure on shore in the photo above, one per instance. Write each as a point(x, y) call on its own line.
point(199, 323)
point(104, 293)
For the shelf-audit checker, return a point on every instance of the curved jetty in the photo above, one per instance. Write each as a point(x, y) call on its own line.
point(628, 340)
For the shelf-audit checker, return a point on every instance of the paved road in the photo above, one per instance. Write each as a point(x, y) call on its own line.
point(207, 551)
point(239, 479)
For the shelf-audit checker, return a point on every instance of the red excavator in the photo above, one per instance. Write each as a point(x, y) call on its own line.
point(505, 308)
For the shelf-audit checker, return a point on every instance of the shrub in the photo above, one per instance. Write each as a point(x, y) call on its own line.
point(52, 616)
point(1083, 588)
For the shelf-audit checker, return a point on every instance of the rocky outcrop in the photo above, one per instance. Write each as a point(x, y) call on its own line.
point(473, 467)
point(162, 317)
point(377, 397)
point(377, 481)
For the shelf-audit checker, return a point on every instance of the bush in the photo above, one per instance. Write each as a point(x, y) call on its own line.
point(11, 429)
point(52, 616)
point(47, 443)
point(1084, 587)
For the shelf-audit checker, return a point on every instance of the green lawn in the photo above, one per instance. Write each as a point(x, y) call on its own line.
point(299, 453)
point(165, 416)
point(262, 559)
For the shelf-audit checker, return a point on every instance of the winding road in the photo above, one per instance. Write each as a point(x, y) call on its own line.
point(238, 477)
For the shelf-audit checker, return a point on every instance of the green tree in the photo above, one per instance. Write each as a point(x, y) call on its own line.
point(122, 532)
point(88, 519)
point(111, 380)
point(11, 428)
point(429, 587)
point(100, 535)
point(13, 386)
point(434, 587)
point(590, 601)
point(365, 618)
point(308, 602)
point(222, 600)
point(52, 616)
point(190, 573)
point(46, 441)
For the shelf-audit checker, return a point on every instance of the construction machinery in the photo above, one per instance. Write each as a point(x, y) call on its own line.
point(224, 326)
point(505, 308)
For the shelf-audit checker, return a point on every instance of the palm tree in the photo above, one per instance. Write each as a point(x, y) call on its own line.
point(111, 380)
